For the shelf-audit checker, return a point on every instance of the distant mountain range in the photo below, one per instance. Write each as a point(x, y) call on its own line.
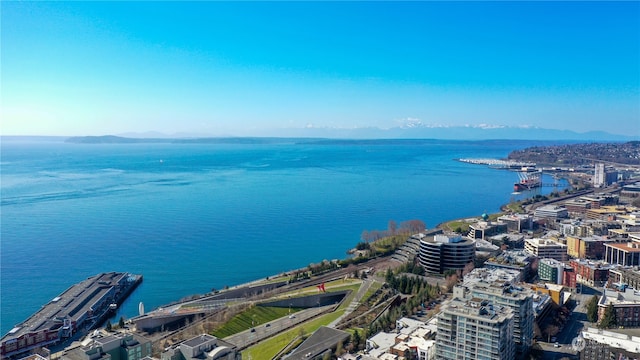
point(456, 133)
point(418, 132)
point(405, 132)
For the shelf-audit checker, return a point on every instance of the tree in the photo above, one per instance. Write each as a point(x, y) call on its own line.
point(392, 227)
point(365, 236)
point(468, 268)
point(355, 339)
point(108, 326)
point(609, 319)
point(339, 348)
point(551, 330)
point(592, 309)
point(121, 322)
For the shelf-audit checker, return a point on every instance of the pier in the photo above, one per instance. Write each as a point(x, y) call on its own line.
point(81, 308)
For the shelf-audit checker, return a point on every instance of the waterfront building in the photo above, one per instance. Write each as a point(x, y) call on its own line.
point(82, 306)
point(545, 248)
point(499, 286)
point(626, 304)
point(551, 270)
point(484, 229)
point(202, 347)
point(475, 329)
point(577, 207)
point(625, 254)
point(517, 222)
point(609, 344)
point(114, 346)
point(443, 252)
point(593, 273)
point(553, 212)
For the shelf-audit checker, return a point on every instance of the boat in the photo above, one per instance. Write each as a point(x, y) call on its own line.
point(528, 181)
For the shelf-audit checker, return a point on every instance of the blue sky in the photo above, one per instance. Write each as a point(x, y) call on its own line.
point(247, 68)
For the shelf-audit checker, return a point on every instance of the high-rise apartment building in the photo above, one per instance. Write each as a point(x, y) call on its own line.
point(475, 329)
point(598, 175)
point(501, 292)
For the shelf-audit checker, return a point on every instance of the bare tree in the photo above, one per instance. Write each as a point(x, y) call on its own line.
point(392, 227)
point(551, 330)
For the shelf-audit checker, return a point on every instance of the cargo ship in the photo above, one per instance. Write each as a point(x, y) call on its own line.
point(80, 309)
point(528, 181)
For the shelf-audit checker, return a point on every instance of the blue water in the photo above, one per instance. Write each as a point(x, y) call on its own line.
point(192, 217)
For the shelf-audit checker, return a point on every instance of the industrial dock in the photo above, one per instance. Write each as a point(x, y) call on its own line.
point(79, 309)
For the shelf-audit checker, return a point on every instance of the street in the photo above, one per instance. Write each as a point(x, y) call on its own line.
point(576, 323)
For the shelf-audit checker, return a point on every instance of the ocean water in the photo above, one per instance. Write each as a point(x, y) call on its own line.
point(192, 217)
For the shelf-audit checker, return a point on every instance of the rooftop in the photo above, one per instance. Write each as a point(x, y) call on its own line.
point(491, 275)
point(544, 243)
point(71, 304)
point(628, 297)
point(613, 339)
point(479, 309)
point(628, 247)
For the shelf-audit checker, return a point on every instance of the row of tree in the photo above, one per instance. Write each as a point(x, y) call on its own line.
point(609, 317)
point(409, 227)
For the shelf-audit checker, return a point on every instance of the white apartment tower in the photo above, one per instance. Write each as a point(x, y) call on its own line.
point(599, 176)
point(475, 330)
point(501, 292)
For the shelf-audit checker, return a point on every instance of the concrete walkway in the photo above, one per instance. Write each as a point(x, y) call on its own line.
point(366, 284)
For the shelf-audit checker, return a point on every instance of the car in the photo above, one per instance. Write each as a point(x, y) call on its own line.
point(556, 345)
point(253, 330)
point(267, 325)
point(292, 316)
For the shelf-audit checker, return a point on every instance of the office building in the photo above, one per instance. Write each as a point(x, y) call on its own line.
point(443, 252)
point(545, 248)
point(551, 270)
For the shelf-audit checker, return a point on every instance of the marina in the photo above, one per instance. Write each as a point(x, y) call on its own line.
point(500, 164)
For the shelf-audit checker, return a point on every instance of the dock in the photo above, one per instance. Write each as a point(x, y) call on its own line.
point(79, 309)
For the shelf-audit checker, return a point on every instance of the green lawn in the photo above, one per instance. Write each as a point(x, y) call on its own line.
point(267, 349)
point(372, 289)
point(516, 207)
point(250, 318)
